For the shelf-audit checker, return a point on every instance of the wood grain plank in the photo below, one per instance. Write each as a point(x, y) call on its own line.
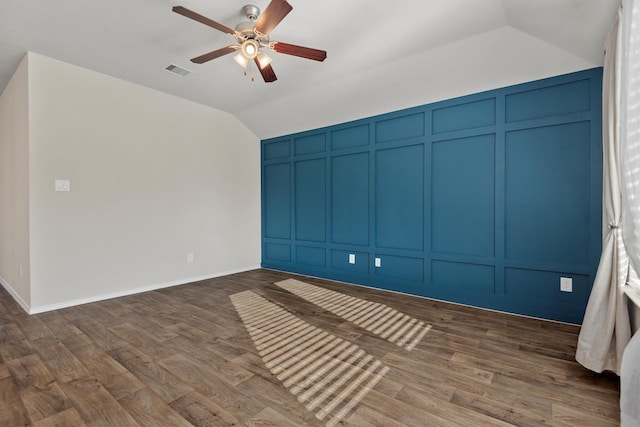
point(32, 327)
point(139, 338)
point(209, 362)
point(58, 324)
point(270, 417)
point(12, 410)
point(162, 382)
point(577, 417)
point(598, 402)
point(111, 374)
point(365, 416)
point(15, 350)
point(192, 372)
point(40, 394)
point(148, 409)
point(405, 413)
point(67, 418)
point(95, 405)
point(10, 333)
point(447, 409)
point(99, 333)
point(261, 390)
point(59, 360)
point(498, 410)
point(202, 411)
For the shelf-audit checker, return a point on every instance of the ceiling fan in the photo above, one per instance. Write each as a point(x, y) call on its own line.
point(252, 38)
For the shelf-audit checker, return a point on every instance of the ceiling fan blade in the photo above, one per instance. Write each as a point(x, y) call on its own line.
point(267, 72)
point(272, 15)
point(203, 19)
point(301, 51)
point(214, 54)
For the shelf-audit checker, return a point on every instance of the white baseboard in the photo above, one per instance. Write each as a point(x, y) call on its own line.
point(15, 295)
point(102, 297)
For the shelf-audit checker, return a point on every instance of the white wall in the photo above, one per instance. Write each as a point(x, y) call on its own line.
point(153, 177)
point(14, 186)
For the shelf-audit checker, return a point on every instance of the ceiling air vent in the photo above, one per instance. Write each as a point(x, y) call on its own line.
point(176, 69)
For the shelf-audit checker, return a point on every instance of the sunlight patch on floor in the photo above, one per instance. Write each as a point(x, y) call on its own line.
point(379, 319)
point(329, 375)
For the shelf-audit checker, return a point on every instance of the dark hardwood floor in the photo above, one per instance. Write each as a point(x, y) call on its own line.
point(241, 350)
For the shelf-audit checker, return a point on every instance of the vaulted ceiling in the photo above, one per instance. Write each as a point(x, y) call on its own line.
point(383, 55)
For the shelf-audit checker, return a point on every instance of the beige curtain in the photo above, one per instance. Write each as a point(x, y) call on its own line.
point(630, 384)
point(606, 328)
point(630, 153)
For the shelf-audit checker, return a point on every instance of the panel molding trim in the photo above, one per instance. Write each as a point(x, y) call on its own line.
point(485, 200)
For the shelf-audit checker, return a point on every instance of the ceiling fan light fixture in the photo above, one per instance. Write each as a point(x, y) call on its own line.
point(250, 48)
point(241, 59)
point(252, 38)
point(263, 59)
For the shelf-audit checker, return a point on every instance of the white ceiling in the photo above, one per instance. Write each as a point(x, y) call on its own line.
point(382, 54)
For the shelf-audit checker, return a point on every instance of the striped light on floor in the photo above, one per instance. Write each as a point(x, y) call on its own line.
point(329, 375)
point(379, 319)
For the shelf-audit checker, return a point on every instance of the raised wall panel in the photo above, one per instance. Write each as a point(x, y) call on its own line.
point(397, 128)
point(548, 194)
point(565, 98)
point(350, 137)
point(277, 252)
point(463, 196)
point(399, 203)
point(310, 199)
point(350, 199)
point(276, 150)
point(311, 256)
point(340, 260)
point(468, 115)
point(310, 144)
point(277, 200)
point(463, 277)
point(545, 285)
point(400, 267)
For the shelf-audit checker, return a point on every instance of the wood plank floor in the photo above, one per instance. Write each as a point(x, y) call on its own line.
point(184, 356)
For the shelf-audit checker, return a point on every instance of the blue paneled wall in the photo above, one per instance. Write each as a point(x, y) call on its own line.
point(486, 200)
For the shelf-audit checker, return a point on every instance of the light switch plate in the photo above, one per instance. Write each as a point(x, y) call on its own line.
point(352, 258)
point(378, 262)
point(63, 185)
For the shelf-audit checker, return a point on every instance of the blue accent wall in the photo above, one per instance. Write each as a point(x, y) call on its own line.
point(487, 199)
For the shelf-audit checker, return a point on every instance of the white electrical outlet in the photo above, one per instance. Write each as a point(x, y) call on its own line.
point(352, 258)
point(189, 257)
point(378, 262)
point(62, 185)
point(566, 284)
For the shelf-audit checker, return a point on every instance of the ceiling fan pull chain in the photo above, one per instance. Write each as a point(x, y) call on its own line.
point(248, 72)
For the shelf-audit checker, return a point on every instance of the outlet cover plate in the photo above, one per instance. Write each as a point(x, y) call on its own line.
point(566, 284)
point(62, 185)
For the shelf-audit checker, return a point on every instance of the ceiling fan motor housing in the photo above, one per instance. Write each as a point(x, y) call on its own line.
point(252, 12)
point(245, 29)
